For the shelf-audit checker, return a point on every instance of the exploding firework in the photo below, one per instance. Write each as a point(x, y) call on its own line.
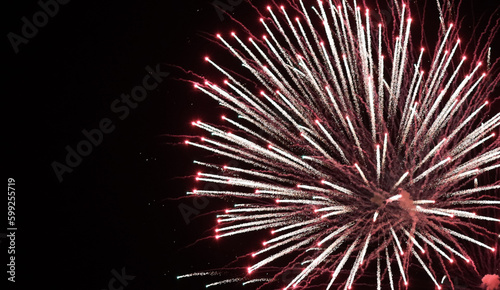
point(361, 154)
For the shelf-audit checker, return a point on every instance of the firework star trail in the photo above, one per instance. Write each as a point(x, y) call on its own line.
point(360, 153)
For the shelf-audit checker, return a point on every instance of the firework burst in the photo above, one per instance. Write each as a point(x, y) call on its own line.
point(362, 152)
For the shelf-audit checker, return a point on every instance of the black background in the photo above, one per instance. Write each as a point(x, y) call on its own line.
point(119, 207)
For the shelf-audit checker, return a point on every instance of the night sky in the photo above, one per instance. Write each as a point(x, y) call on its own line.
point(117, 209)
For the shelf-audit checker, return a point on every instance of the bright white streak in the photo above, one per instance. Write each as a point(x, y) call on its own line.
point(425, 173)
point(389, 269)
point(336, 232)
point(425, 268)
point(356, 140)
point(400, 180)
point(378, 164)
point(345, 256)
point(401, 252)
point(379, 278)
point(459, 235)
point(317, 261)
point(400, 265)
point(361, 173)
point(433, 246)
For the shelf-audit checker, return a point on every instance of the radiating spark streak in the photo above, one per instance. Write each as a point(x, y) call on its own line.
point(255, 173)
point(470, 215)
point(379, 166)
point(427, 241)
point(338, 112)
point(369, 41)
point(281, 191)
point(430, 154)
point(331, 208)
point(481, 202)
point(464, 237)
point(408, 124)
point(361, 173)
point(384, 151)
point(258, 209)
point(489, 125)
point(280, 254)
point(294, 225)
point(449, 248)
point(379, 276)
point(437, 56)
point(299, 201)
point(380, 74)
point(274, 246)
point(470, 168)
point(473, 190)
point(309, 47)
point(425, 173)
point(353, 89)
point(357, 263)
point(227, 281)
point(333, 234)
point(322, 198)
point(365, 247)
point(337, 88)
point(396, 239)
point(423, 201)
point(438, 100)
point(433, 211)
point(425, 268)
point(400, 180)
point(403, 58)
point(256, 281)
point(413, 87)
point(400, 265)
point(342, 263)
point(335, 144)
point(371, 102)
point(198, 274)
point(394, 198)
point(335, 213)
point(295, 159)
point(469, 148)
point(392, 88)
point(415, 242)
point(314, 188)
point(250, 229)
point(317, 261)
point(276, 221)
point(389, 269)
point(337, 187)
point(230, 218)
point(356, 140)
point(219, 193)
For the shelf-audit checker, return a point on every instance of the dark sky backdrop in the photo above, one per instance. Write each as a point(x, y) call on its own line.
point(113, 210)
